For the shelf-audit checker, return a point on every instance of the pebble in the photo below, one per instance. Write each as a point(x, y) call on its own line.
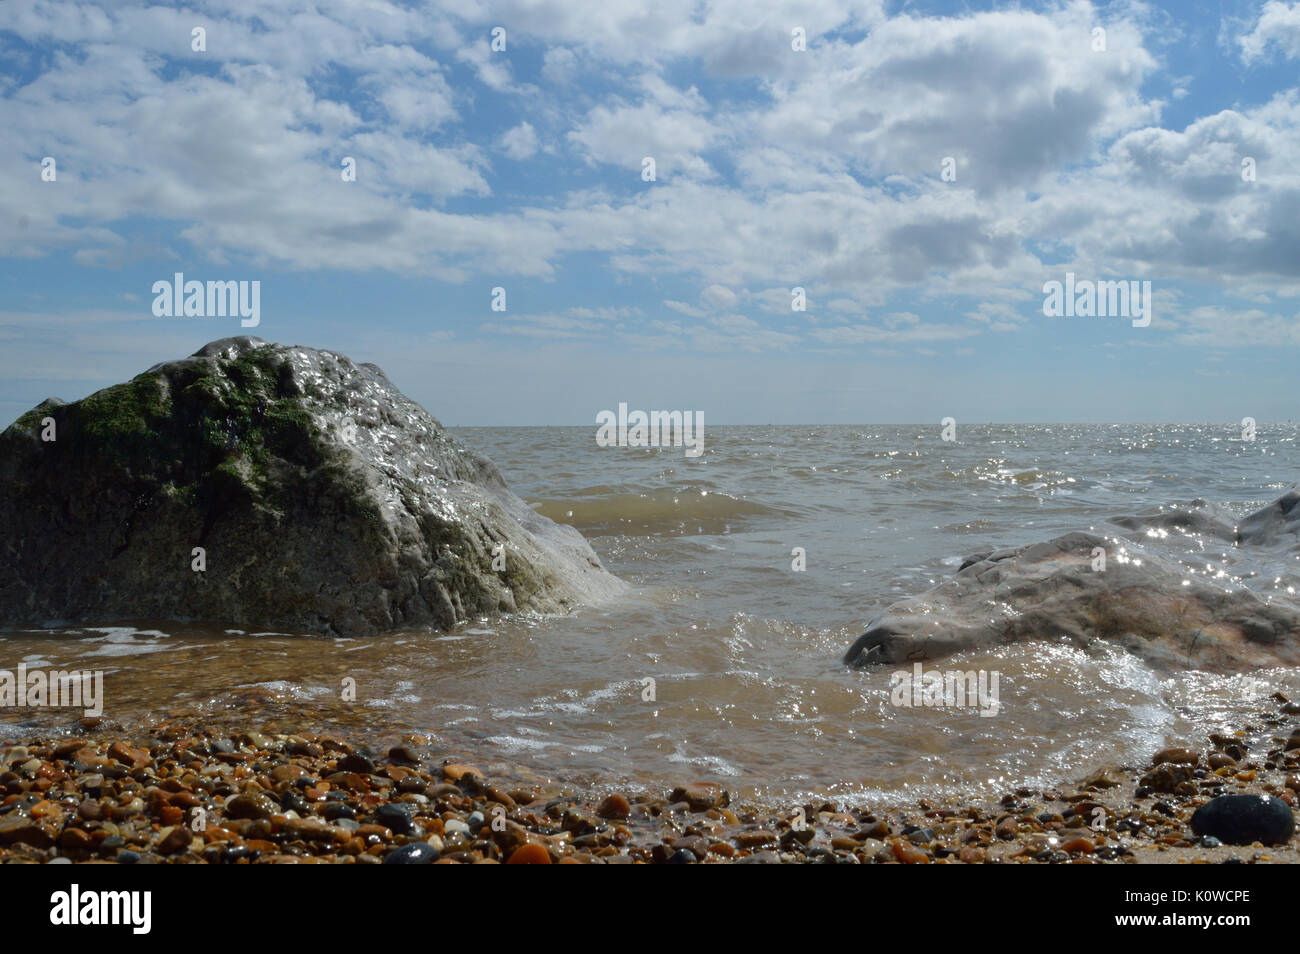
point(530, 854)
point(413, 853)
point(908, 854)
point(614, 806)
point(701, 796)
point(1168, 777)
point(755, 839)
point(1176, 756)
point(398, 818)
point(454, 772)
point(251, 805)
point(1245, 819)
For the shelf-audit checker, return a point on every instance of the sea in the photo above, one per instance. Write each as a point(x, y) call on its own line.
point(752, 568)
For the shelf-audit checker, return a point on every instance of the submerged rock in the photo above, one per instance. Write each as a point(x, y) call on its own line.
point(1082, 587)
point(267, 486)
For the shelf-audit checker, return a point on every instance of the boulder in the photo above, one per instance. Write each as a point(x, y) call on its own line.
point(269, 487)
point(1154, 605)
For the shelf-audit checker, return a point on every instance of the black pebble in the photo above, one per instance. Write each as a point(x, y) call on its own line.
point(396, 817)
point(415, 853)
point(1244, 819)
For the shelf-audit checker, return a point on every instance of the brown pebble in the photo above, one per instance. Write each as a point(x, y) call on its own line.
point(701, 796)
point(530, 854)
point(755, 839)
point(178, 839)
point(454, 772)
point(908, 853)
point(614, 806)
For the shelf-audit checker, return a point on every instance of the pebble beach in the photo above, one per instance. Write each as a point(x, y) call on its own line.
point(186, 794)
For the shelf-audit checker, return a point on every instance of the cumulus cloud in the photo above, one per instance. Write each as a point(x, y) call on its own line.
point(776, 167)
point(1277, 29)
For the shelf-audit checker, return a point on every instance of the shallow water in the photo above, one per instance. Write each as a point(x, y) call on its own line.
point(749, 689)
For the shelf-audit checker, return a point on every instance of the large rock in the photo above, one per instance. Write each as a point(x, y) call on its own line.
point(323, 499)
point(1245, 819)
point(1172, 614)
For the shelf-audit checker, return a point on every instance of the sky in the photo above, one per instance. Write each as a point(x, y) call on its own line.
point(919, 170)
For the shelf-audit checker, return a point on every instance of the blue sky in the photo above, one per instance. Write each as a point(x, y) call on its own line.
point(775, 168)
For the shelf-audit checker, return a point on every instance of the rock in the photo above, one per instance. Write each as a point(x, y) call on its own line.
point(701, 796)
point(698, 845)
point(1147, 603)
point(359, 512)
point(356, 762)
point(755, 839)
point(403, 755)
point(1245, 819)
point(178, 839)
point(251, 805)
point(530, 854)
point(19, 829)
point(454, 772)
point(1278, 522)
point(909, 854)
point(313, 829)
point(414, 853)
point(1100, 779)
point(1167, 777)
point(287, 774)
point(128, 756)
point(614, 806)
point(74, 839)
point(1176, 756)
point(397, 816)
point(1006, 829)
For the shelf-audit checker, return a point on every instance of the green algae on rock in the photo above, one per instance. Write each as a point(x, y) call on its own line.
point(313, 494)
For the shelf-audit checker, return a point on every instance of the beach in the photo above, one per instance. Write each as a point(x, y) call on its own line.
point(182, 794)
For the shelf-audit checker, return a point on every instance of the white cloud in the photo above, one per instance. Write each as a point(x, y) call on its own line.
point(520, 142)
point(1278, 25)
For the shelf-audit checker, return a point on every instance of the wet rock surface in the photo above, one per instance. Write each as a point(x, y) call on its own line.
point(323, 500)
point(1083, 586)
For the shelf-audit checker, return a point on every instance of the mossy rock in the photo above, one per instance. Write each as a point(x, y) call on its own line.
point(322, 499)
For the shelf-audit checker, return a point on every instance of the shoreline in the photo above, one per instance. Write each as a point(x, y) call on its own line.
point(180, 793)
